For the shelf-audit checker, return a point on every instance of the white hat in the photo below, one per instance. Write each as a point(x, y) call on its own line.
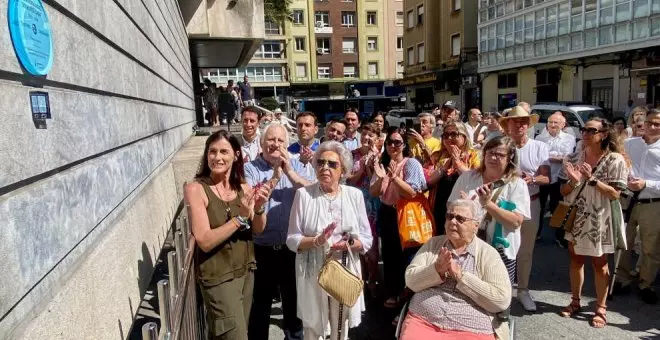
point(277, 110)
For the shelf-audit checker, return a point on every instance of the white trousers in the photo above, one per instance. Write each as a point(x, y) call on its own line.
point(311, 334)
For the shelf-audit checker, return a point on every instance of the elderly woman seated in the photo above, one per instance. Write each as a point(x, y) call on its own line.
point(460, 283)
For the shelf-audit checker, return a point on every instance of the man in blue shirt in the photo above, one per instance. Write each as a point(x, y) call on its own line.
point(304, 148)
point(352, 135)
point(275, 262)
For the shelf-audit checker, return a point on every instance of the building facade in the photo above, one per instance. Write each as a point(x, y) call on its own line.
point(601, 52)
point(332, 42)
point(266, 70)
point(440, 46)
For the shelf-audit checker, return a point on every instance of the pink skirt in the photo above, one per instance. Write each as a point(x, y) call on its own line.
point(414, 327)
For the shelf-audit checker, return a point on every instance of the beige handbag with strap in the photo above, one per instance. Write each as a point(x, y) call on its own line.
point(339, 282)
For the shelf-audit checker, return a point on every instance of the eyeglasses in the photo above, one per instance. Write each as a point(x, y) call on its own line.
point(460, 219)
point(450, 135)
point(639, 126)
point(590, 131)
point(395, 142)
point(653, 124)
point(497, 155)
point(321, 163)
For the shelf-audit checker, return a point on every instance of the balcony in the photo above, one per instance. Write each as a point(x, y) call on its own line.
point(323, 30)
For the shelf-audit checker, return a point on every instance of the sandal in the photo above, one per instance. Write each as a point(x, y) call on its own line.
point(392, 302)
point(599, 320)
point(571, 309)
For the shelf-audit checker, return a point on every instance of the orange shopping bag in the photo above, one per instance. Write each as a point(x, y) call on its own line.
point(416, 223)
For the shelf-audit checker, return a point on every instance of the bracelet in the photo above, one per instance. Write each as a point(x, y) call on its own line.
point(260, 211)
point(315, 243)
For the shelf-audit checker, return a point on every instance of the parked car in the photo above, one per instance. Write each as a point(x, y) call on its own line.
point(576, 115)
point(398, 117)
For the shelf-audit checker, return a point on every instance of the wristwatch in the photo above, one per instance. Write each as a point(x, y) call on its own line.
point(592, 182)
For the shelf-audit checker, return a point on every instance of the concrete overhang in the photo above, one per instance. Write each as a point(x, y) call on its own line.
point(223, 33)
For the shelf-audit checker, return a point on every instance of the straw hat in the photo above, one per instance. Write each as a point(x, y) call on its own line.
point(518, 112)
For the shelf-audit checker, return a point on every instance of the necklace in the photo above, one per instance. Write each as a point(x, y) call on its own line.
point(330, 197)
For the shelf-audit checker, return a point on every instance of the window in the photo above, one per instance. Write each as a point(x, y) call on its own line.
point(298, 17)
point(269, 50)
point(323, 45)
point(399, 18)
point(372, 18)
point(640, 29)
point(399, 69)
point(372, 70)
point(348, 19)
point(456, 5)
point(323, 72)
point(411, 56)
point(301, 70)
point(322, 19)
point(420, 14)
point(455, 45)
point(421, 53)
point(350, 71)
point(399, 43)
point(372, 44)
point(507, 80)
point(411, 19)
point(300, 43)
point(348, 45)
point(271, 27)
point(257, 74)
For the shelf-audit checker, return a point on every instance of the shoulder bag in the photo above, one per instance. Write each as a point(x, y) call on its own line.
point(339, 282)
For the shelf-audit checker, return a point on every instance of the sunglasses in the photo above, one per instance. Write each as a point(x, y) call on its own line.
point(450, 135)
point(590, 131)
point(321, 163)
point(459, 218)
point(395, 142)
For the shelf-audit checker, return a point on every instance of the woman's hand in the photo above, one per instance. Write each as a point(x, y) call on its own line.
point(325, 235)
point(379, 170)
point(483, 192)
point(247, 205)
point(572, 172)
point(391, 170)
point(455, 270)
point(442, 263)
point(585, 170)
point(455, 153)
point(261, 195)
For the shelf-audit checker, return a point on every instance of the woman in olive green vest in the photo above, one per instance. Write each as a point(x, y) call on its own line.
point(224, 213)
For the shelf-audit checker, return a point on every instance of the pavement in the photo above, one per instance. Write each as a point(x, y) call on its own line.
point(628, 317)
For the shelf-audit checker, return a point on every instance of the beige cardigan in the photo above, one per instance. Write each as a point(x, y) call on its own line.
point(490, 288)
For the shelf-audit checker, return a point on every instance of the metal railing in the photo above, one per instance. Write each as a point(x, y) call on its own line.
point(181, 314)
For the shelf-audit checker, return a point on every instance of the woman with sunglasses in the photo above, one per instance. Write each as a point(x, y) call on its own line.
point(459, 282)
point(455, 157)
point(224, 213)
point(327, 219)
point(396, 176)
point(379, 123)
point(598, 173)
point(504, 205)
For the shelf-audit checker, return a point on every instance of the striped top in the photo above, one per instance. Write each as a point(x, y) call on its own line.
point(448, 308)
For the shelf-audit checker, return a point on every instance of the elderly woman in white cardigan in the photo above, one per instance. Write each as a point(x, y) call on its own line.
point(460, 283)
point(327, 218)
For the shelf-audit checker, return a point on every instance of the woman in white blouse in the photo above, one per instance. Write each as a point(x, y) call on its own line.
point(502, 209)
point(327, 219)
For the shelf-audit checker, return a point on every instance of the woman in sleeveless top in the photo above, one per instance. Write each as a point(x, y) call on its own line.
point(224, 213)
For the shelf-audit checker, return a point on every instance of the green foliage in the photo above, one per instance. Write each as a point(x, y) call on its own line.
point(270, 103)
point(277, 11)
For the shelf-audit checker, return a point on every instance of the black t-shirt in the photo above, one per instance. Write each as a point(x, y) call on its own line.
point(245, 89)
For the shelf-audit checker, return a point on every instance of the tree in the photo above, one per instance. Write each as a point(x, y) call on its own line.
point(270, 103)
point(277, 11)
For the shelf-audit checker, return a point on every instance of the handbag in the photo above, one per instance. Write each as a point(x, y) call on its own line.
point(482, 232)
point(564, 214)
point(339, 282)
point(415, 221)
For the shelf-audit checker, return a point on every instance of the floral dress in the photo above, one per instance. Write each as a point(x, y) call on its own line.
point(593, 233)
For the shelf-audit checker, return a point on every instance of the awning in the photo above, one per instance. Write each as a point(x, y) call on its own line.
point(222, 53)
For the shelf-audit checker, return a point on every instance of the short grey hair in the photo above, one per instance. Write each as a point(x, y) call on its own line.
point(345, 156)
point(427, 115)
point(274, 125)
point(470, 204)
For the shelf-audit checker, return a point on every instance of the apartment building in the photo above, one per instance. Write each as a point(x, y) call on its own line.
point(266, 71)
point(331, 42)
point(596, 51)
point(440, 48)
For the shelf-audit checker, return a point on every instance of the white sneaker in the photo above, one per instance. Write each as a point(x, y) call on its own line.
point(526, 300)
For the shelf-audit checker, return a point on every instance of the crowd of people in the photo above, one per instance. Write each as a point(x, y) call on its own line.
point(268, 214)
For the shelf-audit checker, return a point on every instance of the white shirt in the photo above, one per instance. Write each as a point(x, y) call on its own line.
point(645, 160)
point(250, 149)
point(471, 130)
point(531, 156)
point(561, 145)
point(514, 191)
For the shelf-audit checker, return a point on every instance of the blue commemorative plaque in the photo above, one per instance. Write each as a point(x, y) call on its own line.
point(31, 35)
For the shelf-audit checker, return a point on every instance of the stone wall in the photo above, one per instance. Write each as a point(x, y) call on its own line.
point(85, 204)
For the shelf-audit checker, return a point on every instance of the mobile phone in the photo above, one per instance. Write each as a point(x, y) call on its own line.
point(497, 184)
point(409, 124)
point(417, 127)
